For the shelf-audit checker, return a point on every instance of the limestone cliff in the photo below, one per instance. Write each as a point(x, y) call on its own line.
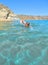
point(6, 13)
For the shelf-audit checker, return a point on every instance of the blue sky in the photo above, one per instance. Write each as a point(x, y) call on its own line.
point(27, 7)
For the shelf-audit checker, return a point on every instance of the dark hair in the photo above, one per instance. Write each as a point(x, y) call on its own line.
point(28, 24)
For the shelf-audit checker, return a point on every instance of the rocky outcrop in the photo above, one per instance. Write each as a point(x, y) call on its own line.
point(6, 13)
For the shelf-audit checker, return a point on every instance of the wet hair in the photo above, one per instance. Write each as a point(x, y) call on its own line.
point(27, 24)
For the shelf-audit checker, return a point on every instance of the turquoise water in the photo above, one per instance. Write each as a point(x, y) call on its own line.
point(24, 46)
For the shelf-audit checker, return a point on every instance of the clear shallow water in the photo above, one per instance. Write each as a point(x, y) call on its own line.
point(24, 46)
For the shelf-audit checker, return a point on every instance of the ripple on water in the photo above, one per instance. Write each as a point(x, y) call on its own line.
point(21, 46)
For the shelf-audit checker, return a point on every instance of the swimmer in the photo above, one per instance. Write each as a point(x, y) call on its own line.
point(25, 23)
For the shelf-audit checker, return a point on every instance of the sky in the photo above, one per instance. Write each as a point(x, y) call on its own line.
point(28, 7)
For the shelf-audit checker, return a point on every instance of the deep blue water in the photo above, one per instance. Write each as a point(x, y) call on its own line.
point(24, 46)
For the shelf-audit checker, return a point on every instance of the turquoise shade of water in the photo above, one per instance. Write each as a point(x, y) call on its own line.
point(24, 46)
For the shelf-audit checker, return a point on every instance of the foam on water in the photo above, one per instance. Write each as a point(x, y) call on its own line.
point(24, 46)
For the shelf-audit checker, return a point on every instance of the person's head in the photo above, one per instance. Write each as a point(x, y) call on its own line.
point(27, 24)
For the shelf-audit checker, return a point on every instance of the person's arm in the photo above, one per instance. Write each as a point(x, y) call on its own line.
point(22, 22)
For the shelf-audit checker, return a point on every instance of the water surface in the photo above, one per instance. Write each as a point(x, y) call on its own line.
point(24, 46)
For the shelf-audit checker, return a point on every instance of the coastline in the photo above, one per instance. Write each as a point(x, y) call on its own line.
point(26, 17)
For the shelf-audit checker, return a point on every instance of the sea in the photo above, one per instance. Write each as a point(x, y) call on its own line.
point(20, 45)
